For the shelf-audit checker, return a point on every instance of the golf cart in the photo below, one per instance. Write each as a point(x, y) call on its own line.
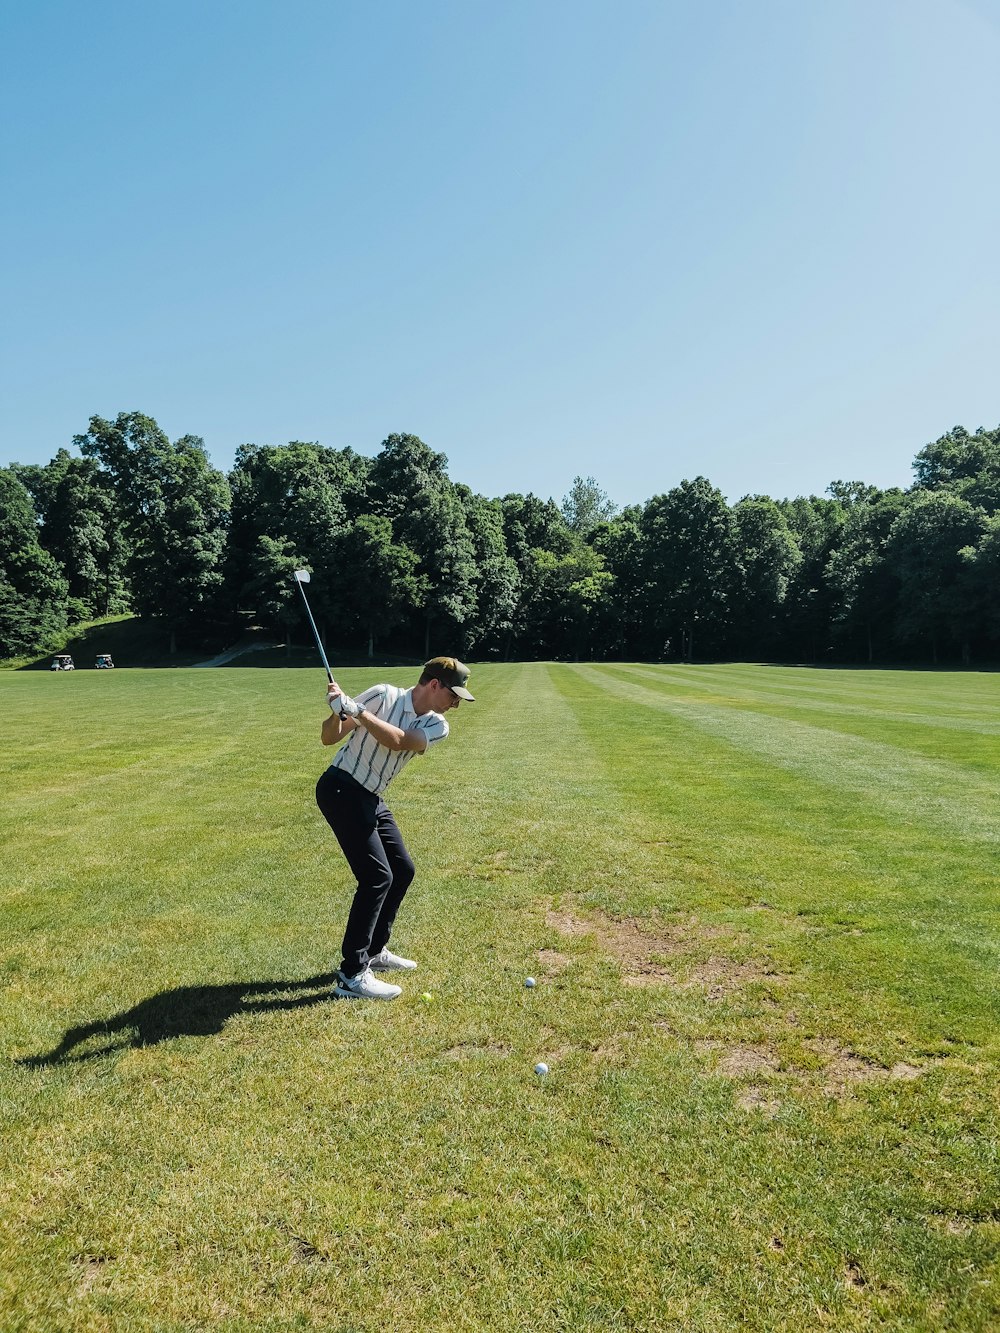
point(62, 662)
point(104, 662)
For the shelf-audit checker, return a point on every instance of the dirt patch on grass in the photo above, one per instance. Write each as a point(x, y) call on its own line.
point(652, 976)
point(467, 1050)
point(964, 1224)
point(552, 961)
point(497, 864)
point(746, 1061)
point(306, 1252)
point(611, 1047)
point(569, 925)
point(90, 1268)
point(853, 1275)
point(639, 948)
point(756, 1099)
point(723, 976)
point(905, 1071)
point(740, 1061)
point(649, 951)
point(644, 947)
point(844, 1068)
point(559, 1053)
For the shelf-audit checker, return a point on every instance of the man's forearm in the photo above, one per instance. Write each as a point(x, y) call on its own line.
point(336, 728)
point(393, 738)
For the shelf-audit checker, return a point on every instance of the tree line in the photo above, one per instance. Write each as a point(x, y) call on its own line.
point(405, 559)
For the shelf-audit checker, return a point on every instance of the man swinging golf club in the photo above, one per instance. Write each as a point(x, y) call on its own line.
point(385, 727)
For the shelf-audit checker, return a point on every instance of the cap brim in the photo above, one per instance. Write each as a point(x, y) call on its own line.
point(462, 693)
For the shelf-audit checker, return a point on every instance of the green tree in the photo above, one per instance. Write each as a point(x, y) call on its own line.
point(409, 485)
point(924, 551)
point(863, 583)
point(175, 508)
point(621, 545)
point(303, 491)
point(379, 578)
point(302, 494)
point(270, 589)
point(564, 596)
point(530, 525)
point(497, 578)
point(851, 493)
point(586, 505)
point(967, 465)
point(82, 527)
point(691, 570)
point(977, 606)
point(767, 557)
point(32, 590)
point(816, 523)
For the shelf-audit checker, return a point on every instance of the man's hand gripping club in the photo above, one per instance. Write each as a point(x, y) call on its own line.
point(342, 704)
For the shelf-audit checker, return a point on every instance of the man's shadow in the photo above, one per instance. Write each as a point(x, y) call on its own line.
point(187, 1011)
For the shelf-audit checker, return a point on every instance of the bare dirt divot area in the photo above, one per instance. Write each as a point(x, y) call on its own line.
point(656, 953)
point(645, 948)
point(744, 1062)
point(652, 953)
point(720, 976)
point(738, 1061)
point(552, 962)
point(844, 1068)
point(756, 1099)
point(468, 1050)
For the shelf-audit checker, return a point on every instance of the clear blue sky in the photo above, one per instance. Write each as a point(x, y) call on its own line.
point(634, 239)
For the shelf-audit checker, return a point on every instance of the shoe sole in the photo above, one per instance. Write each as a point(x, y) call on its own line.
point(342, 994)
point(392, 967)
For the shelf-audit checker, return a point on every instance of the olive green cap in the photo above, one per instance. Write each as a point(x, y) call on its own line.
point(451, 672)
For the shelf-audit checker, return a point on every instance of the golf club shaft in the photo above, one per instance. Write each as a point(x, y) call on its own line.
point(319, 642)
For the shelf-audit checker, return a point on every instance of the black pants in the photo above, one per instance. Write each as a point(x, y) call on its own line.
point(375, 851)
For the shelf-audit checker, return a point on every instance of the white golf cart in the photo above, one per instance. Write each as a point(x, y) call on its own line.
point(62, 662)
point(104, 662)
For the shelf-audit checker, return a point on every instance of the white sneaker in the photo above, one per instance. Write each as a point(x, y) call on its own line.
point(390, 962)
point(365, 986)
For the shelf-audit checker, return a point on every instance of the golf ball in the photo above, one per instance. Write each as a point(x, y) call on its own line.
point(427, 997)
point(529, 981)
point(541, 1068)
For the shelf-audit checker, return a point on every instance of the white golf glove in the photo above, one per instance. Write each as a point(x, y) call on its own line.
point(346, 706)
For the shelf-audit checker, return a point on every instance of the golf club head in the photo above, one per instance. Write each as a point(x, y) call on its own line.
point(302, 576)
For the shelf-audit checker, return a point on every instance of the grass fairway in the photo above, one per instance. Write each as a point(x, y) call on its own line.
point(761, 905)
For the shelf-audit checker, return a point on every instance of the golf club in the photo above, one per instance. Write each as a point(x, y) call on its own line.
point(302, 576)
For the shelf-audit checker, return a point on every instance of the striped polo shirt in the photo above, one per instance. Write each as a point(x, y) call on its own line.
point(371, 764)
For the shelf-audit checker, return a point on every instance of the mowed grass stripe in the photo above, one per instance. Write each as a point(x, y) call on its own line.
point(982, 721)
point(938, 738)
point(974, 693)
point(914, 788)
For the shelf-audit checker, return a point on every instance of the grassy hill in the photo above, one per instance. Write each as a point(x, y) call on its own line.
point(130, 641)
point(140, 643)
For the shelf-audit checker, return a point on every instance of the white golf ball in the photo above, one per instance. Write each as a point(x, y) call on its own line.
point(529, 981)
point(541, 1068)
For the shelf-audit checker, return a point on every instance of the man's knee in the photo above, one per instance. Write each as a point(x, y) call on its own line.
point(375, 880)
point(403, 871)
